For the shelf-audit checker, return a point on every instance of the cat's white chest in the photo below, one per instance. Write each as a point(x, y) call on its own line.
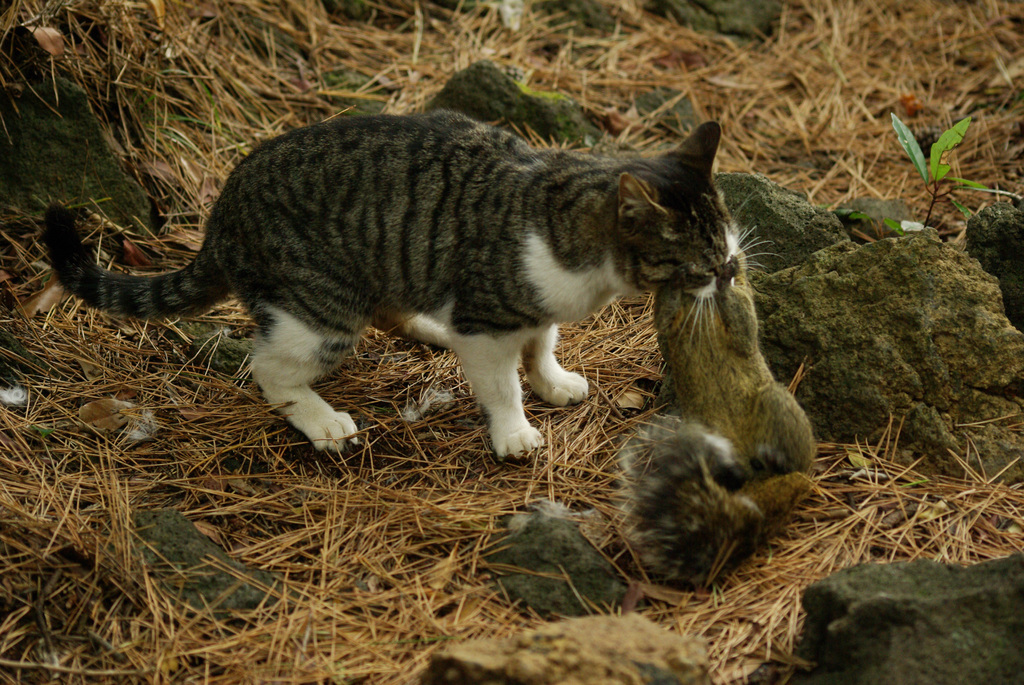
point(570, 295)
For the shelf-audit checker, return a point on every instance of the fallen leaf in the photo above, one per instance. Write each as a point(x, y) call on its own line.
point(160, 169)
point(665, 594)
point(159, 11)
point(91, 371)
point(49, 39)
point(126, 393)
point(932, 510)
point(133, 256)
point(443, 572)
point(5, 275)
point(911, 105)
point(242, 485)
point(858, 459)
point(43, 300)
point(614, 122)
point(209, 530)
point(675, 58)
point(630, 399)
point(205, 10)
point(1014, 528)
point(208, 191)
point(104, 415)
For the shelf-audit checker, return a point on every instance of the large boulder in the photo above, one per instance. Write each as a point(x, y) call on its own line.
point(916, 623)
point(54, 149)
point(905, 328)
point(485, 92)
point(597, 650)
point(995, 237)
point(784, 228)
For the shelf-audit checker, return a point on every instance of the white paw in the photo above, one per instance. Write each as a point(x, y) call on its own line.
point(329, 429)
point(561, 388)
point(522, 439)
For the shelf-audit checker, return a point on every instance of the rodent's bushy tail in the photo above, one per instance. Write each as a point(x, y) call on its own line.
point(193, 289)
point(693, 506)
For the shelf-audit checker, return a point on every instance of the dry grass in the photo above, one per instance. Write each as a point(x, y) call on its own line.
point(381, 547)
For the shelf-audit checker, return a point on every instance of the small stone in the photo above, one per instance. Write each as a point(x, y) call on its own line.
point(176, 552)
point(741, 19)
point(552, 547)
point(589, 13)
point(212, 346)
point(679, 117)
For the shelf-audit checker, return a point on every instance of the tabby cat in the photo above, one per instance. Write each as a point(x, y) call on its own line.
point(434, 226)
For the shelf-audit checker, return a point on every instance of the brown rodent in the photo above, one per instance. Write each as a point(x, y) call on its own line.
point(704, 489)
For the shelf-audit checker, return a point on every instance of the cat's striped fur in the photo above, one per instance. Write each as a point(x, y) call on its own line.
point(434, 225)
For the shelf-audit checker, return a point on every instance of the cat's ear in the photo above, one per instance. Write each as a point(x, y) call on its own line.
point(698, 150)
point(637, 195)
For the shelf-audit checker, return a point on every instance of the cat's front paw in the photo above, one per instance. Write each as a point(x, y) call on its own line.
point(521, 439)
point(561, 388)
point(328, 430)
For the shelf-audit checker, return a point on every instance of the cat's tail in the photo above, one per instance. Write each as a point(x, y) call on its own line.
point(191, 290)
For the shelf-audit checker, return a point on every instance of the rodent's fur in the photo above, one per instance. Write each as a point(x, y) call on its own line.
point(705, 489)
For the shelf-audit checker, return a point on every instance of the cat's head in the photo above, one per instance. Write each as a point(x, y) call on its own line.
point(672, 222)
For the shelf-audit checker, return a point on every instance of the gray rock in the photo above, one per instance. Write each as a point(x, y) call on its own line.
point(916, 623)
point(908, 327)
point(349, 80)
point(995, 237)
point(16, 361)
point(485, 92)
point(212, 346)
point(554, 548)
point(358, 10)
point(877, 211)
point(604, 650)
point(679, 117)
point(589, 13)
point(176, 552)
point(54, 149)
point(742, 19)
point(794, 227)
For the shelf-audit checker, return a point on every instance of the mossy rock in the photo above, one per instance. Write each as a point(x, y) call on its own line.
point(179, 555)
point(909, 330)
point(54, 150)
point(745, 20)
point(588, 13)
point(485, 92)
point(349, 80)
point(212, 346)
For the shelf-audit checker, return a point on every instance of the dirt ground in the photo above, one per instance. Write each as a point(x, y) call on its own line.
point(380, 549)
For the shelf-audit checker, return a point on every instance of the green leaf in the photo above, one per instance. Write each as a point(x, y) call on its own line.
point(910, 144)
point(894, 225)
point(969, 184)
point(949, 139)
point(963, 210)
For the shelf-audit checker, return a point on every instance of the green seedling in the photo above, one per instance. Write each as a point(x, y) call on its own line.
point(934, 170)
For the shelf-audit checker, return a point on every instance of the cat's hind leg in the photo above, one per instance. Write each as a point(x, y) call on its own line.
point(548, 379)
point(491, 365)
point(289, 355)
